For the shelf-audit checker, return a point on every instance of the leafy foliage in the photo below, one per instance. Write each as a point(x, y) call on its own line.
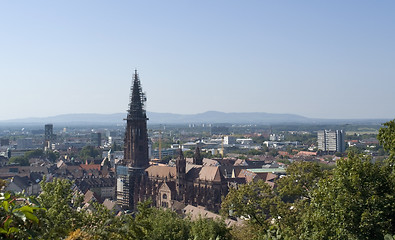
point(37, 153)
point(52, 156)
point(357, 202)
point(89, 152)
point(300, 179)
point(100, 223)
point(24, 160)
point(386, 138)
point(61, 216)
point(188, 154)
point(209, 229)
point(17, 216)
point(252, 201)
point(160, 224)
point(19, 160)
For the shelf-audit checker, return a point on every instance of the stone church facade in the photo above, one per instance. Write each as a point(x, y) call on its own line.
point(187, 183)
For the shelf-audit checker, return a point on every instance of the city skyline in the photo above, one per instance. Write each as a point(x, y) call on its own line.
point(318, 60)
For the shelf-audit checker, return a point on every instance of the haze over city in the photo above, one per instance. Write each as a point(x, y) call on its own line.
point(330, 59)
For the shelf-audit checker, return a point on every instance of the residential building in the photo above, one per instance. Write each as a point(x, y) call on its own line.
point(331, 141)
point(229, 140)
point(48, 132)
point(280, 145)
point(164, 153)
point(276, 137)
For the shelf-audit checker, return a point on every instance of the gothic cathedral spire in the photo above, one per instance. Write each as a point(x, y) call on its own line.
point(137, 99)
point(136, 137)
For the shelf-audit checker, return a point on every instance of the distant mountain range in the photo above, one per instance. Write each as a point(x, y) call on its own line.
point(213, 117)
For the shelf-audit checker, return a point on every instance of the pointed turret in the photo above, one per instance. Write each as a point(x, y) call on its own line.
point(181, 162)
point(197, 157)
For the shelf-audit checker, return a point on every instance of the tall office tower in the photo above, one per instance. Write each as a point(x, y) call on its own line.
point(48, 134)
point(132, 170)
point(341, 146)
point(331, 141)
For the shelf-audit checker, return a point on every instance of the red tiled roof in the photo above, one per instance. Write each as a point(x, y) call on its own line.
point(210, 173)
point(161, 171)
point(90, 166)
point(306, 153)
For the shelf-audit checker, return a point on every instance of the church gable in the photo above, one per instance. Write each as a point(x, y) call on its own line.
point(166, 193)
point(167, 187)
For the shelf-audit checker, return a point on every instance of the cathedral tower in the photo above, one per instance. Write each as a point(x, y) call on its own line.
point(136, 137)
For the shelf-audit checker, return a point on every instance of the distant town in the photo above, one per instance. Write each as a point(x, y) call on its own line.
point(189, 169)
point(213, 155)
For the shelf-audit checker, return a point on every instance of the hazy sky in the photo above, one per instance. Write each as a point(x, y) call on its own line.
point(325, 59)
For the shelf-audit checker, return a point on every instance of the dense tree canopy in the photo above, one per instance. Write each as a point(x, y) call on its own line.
point(24, 160)
point(61, 216)
point(52, 156)
point(57, 214)
point(250, 201)
point(300, 180)
point(89, 153)
point(387, 138)
point(357, 202)
point(21, 160)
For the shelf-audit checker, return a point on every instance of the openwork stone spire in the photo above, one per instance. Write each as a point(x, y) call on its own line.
point(137, 100)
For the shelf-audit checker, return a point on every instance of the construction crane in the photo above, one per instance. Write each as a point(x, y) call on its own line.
point(222, 147)
point(160, 145)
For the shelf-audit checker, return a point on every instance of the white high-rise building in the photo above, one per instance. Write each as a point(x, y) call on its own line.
point(331, 141)
point(229, 140)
